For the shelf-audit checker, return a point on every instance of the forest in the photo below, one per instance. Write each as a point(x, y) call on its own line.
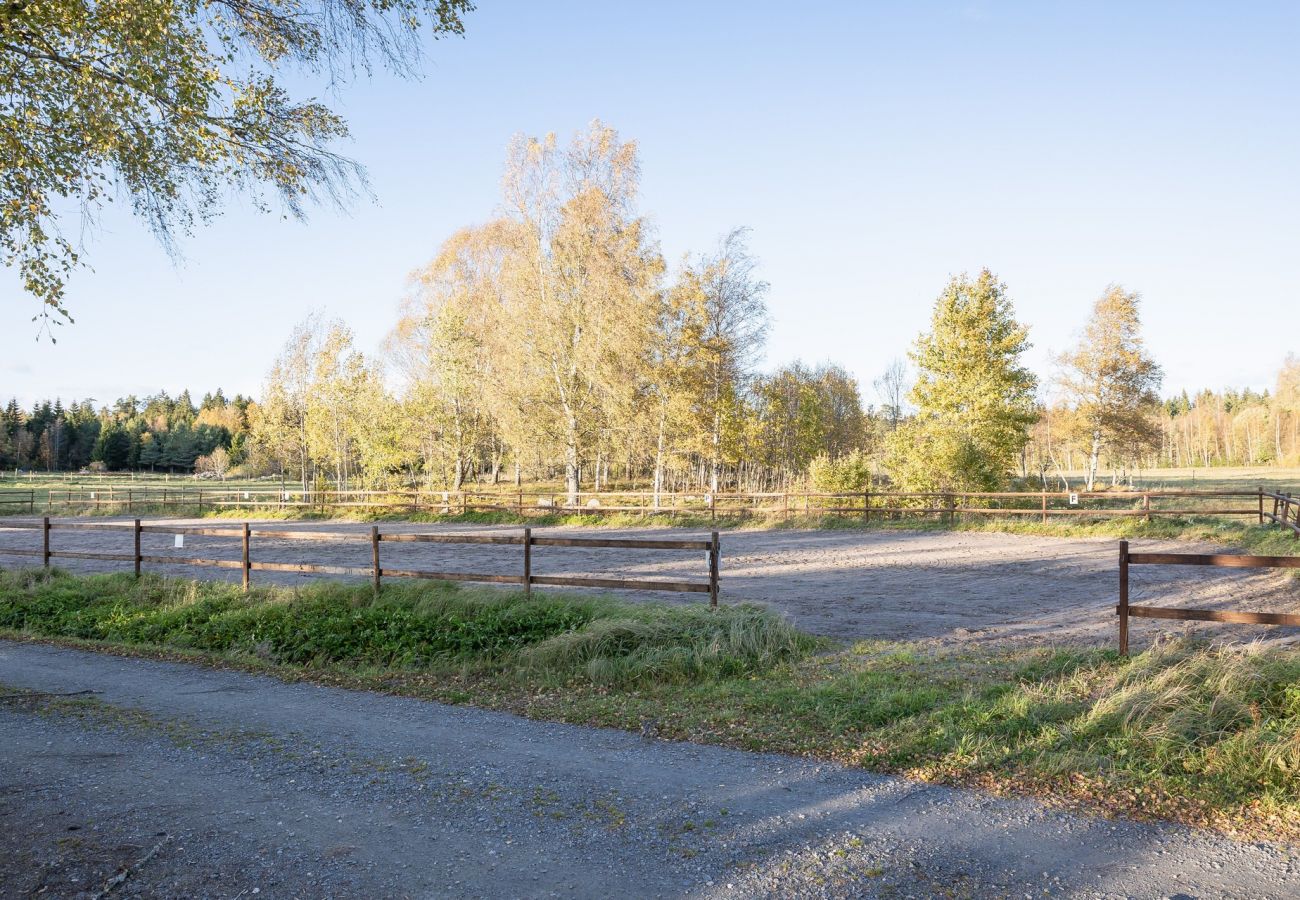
point(554, 343)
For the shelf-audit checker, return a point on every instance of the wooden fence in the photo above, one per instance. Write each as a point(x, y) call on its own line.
point(1125, 610)
point(867, 505)
point(1286, 511)
point(17, 501)
point(527, 540)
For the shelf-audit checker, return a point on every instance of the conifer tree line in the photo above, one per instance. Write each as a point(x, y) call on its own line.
point(155, 434)
point(555, 343)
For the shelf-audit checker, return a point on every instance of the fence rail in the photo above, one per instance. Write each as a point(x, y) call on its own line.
point(1125, 610)
point(1286, 511)
point(1265, 506)
point(376, 571)
point(19, 499)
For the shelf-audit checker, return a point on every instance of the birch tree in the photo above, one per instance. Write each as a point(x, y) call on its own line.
point(171, 105)
point(734, 329)
point(279, 424)
point(1111, 381)
point(1286, 404)
point(443, 344)
point(581, 289)
point(673, 372)
point(341, 402)
point(891, 387)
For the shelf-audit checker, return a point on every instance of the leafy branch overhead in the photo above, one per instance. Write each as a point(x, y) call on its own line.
point(172, 105)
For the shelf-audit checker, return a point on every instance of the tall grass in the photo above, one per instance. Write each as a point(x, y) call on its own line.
point(430, 626)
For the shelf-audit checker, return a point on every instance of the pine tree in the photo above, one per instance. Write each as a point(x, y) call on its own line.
point(974, 399)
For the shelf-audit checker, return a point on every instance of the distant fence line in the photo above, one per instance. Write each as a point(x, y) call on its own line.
point(246, 531)
point(1265, 506)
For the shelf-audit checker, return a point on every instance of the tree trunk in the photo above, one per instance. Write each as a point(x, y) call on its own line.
point(571, 471)
point(659, 462)
point(1094, 459)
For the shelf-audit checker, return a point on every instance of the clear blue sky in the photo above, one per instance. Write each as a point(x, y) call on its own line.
point(874, 148)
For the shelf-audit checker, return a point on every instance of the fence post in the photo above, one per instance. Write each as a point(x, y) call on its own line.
point(714, 552)
point(247, 563)
point(1044, 507)
point(45, 542)
point(200, 501)
point(528, 563)
point(130, 502)
point(1146, 506)
point(521, 504)
point(374, 553)
point(136, 529)
point(1261, 504)
point(866, 506)
point(1123, 598)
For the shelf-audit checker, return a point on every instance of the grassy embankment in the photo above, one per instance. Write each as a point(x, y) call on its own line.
point(1181, 731)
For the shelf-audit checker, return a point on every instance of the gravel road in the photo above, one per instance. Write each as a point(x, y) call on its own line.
point(949, 586)
point(222, 784)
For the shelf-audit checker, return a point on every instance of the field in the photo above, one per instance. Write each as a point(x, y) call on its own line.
point(1243, 478)
point(33, 494)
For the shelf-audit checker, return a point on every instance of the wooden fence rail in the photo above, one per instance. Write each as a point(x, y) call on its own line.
point(1124, 610)
point(245, 531)
point(19, 499)
point(1281, 509)
point(1286, 511)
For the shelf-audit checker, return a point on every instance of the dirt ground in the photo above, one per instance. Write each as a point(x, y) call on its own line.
point(195, 782)
point(945, 586)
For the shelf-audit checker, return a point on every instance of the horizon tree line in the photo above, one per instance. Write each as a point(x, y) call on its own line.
point(553, 341)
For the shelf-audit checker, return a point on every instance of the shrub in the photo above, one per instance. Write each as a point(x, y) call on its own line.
point(846, 474)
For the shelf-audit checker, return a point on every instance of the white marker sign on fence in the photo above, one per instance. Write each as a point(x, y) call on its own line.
point(1074, 499)
point(179, 543)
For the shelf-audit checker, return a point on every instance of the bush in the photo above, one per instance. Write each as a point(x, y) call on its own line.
point(847, 474)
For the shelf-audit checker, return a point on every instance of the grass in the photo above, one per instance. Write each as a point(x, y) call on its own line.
point(1207, 735)
point(436, 628)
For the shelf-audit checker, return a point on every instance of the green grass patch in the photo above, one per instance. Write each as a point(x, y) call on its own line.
point(434, 627)
point(1199, 733)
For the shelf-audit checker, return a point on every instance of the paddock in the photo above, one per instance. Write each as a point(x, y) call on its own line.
point(945, 586)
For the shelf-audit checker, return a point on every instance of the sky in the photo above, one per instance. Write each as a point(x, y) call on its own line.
point(874, 148)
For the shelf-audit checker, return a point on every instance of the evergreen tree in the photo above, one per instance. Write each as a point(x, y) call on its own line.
point(974, 399)
point(113, 448)
point(13, 418)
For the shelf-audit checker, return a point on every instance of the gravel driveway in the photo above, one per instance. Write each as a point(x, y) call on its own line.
point(222, 784)
point(950, 586)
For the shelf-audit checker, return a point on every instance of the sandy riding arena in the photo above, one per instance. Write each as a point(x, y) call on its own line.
point(946, 586)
